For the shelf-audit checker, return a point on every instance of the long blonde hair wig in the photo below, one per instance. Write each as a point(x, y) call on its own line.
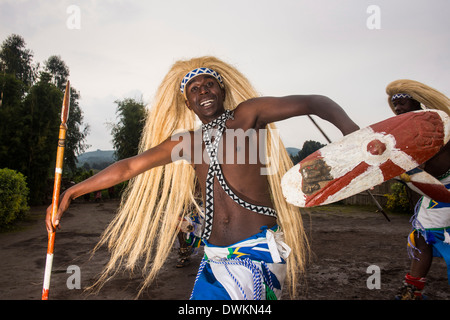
point(147, 222)
point(429, 97)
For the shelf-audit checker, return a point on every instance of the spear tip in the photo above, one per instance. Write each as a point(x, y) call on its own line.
point(66, 103)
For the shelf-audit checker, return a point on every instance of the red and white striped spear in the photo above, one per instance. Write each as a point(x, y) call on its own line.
point(56, 189)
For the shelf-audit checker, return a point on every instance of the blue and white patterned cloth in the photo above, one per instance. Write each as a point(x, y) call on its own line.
point(401, 95)
point(196, 72)
point(251, 269)
point(432, 220)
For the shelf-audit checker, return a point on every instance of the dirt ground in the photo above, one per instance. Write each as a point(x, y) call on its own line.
point(345, 241)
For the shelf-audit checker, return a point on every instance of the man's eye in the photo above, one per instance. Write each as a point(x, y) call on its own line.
point(194, 89)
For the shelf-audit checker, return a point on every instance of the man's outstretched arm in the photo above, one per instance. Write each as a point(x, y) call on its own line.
point(272, 109)
point(120, 171)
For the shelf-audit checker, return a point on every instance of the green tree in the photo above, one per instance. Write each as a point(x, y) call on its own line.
point(59, 71)
point(30, 110)
point(77, 131)
point(40, 135)
point(11, 120)
point(309, 147)
point(127, 132)
point(17, 60)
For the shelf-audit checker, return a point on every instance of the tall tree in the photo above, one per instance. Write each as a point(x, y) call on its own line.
point(17, 60)
point(11, 121)
point(59, 71)
point(77, 131)
point(30, 116)
point(40, 132)
point(127, 132)
point(309, 147)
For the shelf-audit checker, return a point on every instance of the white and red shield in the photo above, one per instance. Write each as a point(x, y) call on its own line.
point(366, 158)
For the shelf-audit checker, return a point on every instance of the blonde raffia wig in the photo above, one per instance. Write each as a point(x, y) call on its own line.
point(146, 226)
point(429, 97)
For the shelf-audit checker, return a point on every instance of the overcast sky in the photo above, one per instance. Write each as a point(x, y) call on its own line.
point(348, 50)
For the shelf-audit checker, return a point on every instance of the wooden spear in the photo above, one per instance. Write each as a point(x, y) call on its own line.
point(380, 208)
point(56, 189)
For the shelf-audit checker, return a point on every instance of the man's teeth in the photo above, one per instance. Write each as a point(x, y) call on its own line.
point(206, 103)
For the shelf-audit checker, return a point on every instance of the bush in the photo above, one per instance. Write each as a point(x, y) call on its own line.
point(398, 200)
point(13, 196)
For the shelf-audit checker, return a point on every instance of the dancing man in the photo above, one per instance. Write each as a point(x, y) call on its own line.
point(431, 222)
point(253, 238)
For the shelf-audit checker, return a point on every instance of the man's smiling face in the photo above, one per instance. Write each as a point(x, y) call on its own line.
point(205, 97)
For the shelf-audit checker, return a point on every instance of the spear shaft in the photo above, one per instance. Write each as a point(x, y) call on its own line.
point(56, 189)
point(368, 191)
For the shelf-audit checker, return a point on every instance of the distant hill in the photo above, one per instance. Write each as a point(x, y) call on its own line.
point(292, 151)
point(102, 158)
point(96, 159)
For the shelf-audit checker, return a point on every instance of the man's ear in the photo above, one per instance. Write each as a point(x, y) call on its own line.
point(186, 102)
